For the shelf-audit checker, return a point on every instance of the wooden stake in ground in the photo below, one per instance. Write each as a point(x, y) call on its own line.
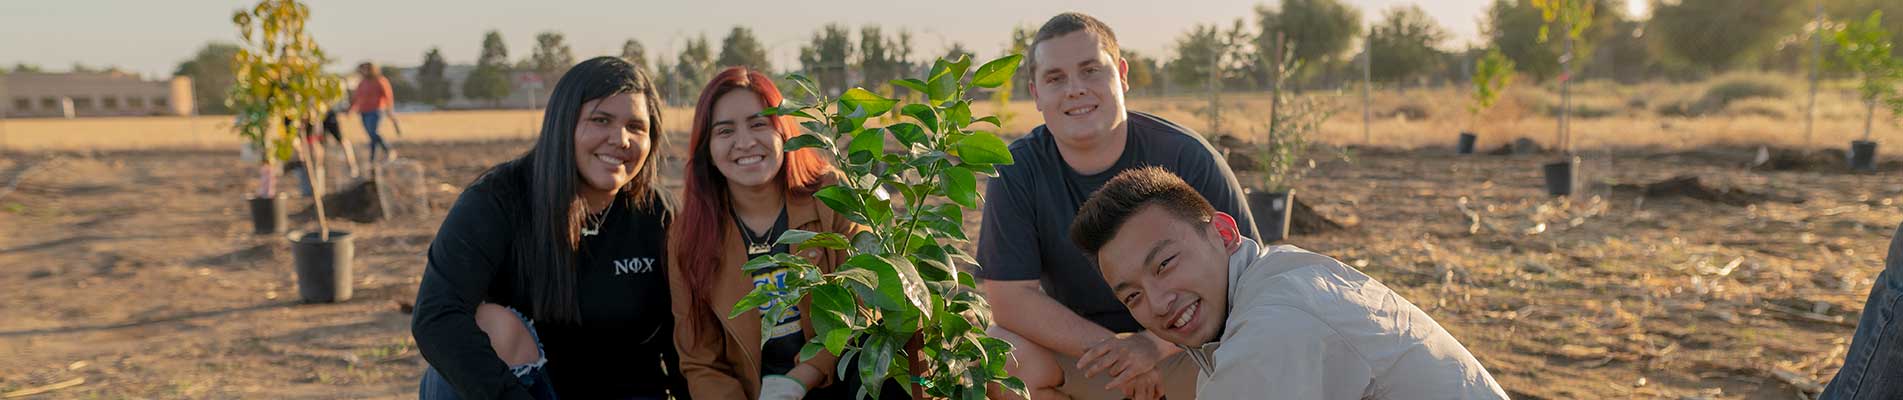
point(1367, 82)
point(315, 171)
point(1816, 63)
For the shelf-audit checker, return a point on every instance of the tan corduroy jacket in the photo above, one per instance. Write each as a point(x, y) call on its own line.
point(721, 360)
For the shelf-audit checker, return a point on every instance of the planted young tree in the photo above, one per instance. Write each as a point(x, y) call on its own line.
point(1492, 73)
point(1571, 18)
point(1864, 47)
point(899, 300)
point(1292, 122)
point(280, 80)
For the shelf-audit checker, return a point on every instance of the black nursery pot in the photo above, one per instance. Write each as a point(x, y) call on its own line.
point(1272, 211)
point(1466, 146)
point(1562, 177)
point(1863, 155)
point(323, 267)
point(269, 215)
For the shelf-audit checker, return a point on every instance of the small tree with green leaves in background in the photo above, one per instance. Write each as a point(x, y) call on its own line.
point(1293, 120)
point(1864, 47)
point(280, 78)
point(1492, 73)
point(901, 283)
point(1571, 17)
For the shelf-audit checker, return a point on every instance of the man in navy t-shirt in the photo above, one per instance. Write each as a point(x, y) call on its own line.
point(1072, 336)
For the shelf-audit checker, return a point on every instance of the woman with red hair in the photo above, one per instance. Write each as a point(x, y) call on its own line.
point(742, 190)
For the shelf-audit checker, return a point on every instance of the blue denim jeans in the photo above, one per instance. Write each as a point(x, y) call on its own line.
point(371, 120)
point(533, 376)
point(1873, 368)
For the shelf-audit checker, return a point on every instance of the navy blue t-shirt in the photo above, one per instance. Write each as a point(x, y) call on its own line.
point(1030, 204)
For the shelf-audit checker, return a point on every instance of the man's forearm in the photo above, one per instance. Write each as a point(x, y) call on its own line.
point(1036, 316)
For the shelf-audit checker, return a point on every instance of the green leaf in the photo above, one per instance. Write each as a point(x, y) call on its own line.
point(836, 340)
point(908, 133)
point(912, 283)
point(775, 260)
point(843, 201)
point(874, 363)
point(893, 284)
point(795, 236)
point(810, 350)
point(938, 267)
point(808, 141)
point(760, 295)
point(805, 85)
point(816, 127)
point(846, 361)
point(911, 83)
point(993, 120)
point(961, 186)
point(925, 115)
point(983, 148)
point(828, 240)
point(997, 72)
point(833, 298)
point(829, 318)
point(853, 118)
point(996, 351)
point(945, 76)
point(874, 104)
point(953, 325)
point(798, 113)
point(846, 275)
point(959, 255)
point(959, 114)
point(878, 211)
point(866, 145)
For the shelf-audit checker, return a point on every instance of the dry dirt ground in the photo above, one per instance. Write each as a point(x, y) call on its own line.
point(135, 274)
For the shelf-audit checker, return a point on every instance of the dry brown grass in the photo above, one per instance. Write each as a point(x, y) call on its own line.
point(1615, 116)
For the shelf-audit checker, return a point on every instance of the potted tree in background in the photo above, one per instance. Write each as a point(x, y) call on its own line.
point(280, 77)
point(1572, 17)
point(269, 147)
point(1865, 47)
point(1292, 119)
point(1492, 73)
point(899, 306)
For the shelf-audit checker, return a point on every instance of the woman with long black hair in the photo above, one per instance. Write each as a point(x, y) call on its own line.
point(548, 275)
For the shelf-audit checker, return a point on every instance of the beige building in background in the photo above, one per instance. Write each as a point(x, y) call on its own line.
point(92, 94)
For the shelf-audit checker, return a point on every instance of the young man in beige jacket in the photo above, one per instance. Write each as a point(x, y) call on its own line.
point(1266, 323)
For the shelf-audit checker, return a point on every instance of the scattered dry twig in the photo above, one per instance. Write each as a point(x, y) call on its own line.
point(1802, 315)
point(44, 389)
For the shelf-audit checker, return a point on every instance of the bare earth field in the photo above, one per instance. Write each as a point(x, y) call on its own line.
point(134, 272)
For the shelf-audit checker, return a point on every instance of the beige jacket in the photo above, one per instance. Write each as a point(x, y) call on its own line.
point(1305, 326)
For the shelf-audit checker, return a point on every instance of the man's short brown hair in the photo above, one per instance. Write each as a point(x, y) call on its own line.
point(1106, 211)
point(1064, 24)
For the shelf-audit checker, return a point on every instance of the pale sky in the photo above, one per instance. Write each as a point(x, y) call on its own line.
point(152, 37)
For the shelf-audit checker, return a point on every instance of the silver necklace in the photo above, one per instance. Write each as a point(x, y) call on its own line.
point(593, 225)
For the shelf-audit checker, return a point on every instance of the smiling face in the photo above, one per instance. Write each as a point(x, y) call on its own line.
point(611, 141)
point(745, 146)
point(1172, 273)
point(1078, 86)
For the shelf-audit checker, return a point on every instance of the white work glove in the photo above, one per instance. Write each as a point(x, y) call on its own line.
point(781, 387)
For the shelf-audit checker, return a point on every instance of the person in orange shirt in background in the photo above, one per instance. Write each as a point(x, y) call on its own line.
point(372, 100)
